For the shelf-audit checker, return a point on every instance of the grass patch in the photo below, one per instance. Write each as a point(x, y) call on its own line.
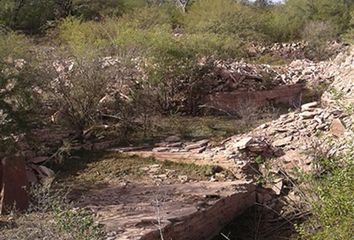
point(331, 199)
point(105, 167)
point(215, 128)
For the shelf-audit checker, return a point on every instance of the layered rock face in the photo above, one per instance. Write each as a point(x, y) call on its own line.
point(242, 84)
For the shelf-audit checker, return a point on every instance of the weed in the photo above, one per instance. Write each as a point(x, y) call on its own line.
point(51, 216)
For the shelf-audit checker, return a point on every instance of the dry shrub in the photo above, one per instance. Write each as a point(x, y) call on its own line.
point(318, 34)
point(50, 216)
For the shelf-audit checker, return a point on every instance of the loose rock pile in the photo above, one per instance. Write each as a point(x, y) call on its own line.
point(341, 91)
point(294, 50)
point(292, 135)
point(255, 77)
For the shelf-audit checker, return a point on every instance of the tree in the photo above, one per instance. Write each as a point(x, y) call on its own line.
point(32, 15)
point(288, 20)
point(262, 3)
point(16, 90)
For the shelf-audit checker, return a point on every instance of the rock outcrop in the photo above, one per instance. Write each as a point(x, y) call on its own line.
point(194, 211)
point(13, 185)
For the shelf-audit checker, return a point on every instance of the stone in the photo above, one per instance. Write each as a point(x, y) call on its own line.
point(183, 178)
point(321, 127)
point(154, 168)
point(198, 150)
point(337, 128)
point(38, 160)
point(283, 142)
point(175, 144)
point(46, 171)
point(220, 175)
point(318, 119)
point(243, 143)
point(14, 185)
point(308, 106)
point(307, 114)
point(47, 175)
point(161, 176)
point(172, 139)
point(277, 186)
point(263, 126)
point(196, 145)
point(258, 147)
point(161, 149)
point(281, 130)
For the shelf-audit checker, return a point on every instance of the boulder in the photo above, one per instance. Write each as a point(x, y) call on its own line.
point(198, 150)
point(197, 145)
point(277, 186)
point(243, 143)
point(308, 106)
point(283, 142)
point(337, 128)
point(308, 114)
point(37, 160)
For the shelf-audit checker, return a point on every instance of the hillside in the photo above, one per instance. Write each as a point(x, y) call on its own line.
point(206, 119)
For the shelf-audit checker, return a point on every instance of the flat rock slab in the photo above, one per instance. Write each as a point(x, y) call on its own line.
point(190, 211)
point(187, 157)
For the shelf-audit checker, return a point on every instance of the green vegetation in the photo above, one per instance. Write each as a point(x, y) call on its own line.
point(172, 46)
point(331, 199)
point(50, 216)
point(234, 18)
point(100, 168)
point(16, 95)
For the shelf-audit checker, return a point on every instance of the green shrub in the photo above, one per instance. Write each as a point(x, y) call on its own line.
point(13, 45)
point(99, 9)
point(28, 15)
point(77, 95)
point(90, 10)
point(332, 213)
point(211, 44)
point(318, 34)
point(284, 24)
point(148, 17)
point(84, 38)
point(17, 80)
point(348, 36)
point(224, 17)
point(287, 21)
point(329, 194)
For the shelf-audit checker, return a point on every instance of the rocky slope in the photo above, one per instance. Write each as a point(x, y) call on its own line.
point(278, 150)
point(293, 140)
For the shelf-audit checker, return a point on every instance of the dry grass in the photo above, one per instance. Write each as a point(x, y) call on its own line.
point(115, 167)
point(50, 216)
point(214, 128)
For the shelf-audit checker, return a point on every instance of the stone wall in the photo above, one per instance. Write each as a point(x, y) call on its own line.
point(206, 223)
point(232, 102)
